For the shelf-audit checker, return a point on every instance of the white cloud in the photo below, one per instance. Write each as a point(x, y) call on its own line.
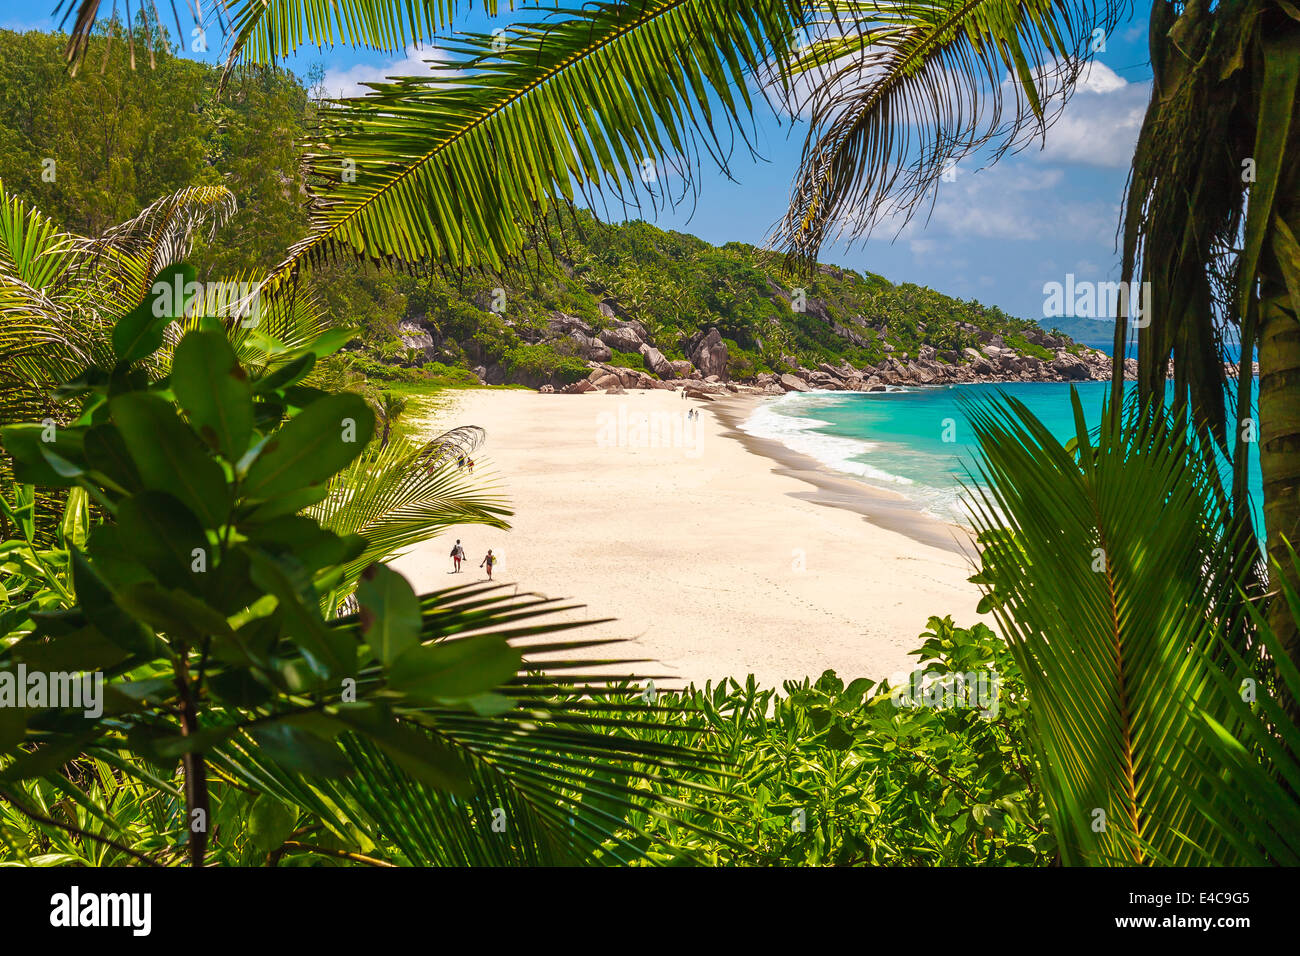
point(342, 83)
point(1100, 123)
point(1015, 199)
point(1136, 32)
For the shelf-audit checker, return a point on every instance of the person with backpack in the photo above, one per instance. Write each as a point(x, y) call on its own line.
point(457, 555)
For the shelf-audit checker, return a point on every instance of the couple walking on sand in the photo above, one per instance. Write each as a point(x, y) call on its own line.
point(458, 555)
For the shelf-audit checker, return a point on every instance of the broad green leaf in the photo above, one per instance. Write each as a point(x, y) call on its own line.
point(170, 457)
point(270, 821)
point(390, 612)
point(140, 331)
point(285, 375)
point(312, 446)
point(173, 611)
point(96, 600)
point(75, 526)
point(107, 455)
point(300, 749)
point(213, 388)
point(454, 669)
point(25, 444)
point(333, 652)
point(159, 532)
point(304, 539)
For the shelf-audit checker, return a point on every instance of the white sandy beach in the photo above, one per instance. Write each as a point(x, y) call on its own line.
point(700, 550)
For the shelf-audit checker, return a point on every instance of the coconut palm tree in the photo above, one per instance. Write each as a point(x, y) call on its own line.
point(1156, 686)
point(1212, 211)
point(390, 408)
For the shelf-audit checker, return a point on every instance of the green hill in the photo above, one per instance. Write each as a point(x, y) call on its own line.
point(590, 276)
point(93, 149)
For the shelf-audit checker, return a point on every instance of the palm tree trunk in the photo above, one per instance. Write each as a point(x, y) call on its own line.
point(1279, 445)
point(195, 770)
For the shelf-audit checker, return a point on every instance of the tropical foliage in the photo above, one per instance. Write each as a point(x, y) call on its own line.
point(1122, 574)
point(1210, 224)
point(1121, 584)
point(206, 603)
point(899, 91)
point(829, 774)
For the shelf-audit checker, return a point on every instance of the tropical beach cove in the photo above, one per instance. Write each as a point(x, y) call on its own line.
point(716, 553)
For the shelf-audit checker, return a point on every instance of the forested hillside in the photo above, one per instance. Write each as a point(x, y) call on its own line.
point(94, 149)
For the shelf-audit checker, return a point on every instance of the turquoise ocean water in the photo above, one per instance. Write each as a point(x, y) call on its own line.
point(895, 440)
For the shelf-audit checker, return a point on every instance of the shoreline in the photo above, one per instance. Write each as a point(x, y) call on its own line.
point(890, 510)
point(712, 558)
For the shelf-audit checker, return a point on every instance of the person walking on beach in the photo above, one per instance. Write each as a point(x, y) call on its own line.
point(489, 560)
point(457, 555)
point(471, 465)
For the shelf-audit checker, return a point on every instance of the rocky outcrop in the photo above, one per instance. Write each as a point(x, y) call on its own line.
point(655, 361)
point(624, 336)
point(590, 348)
point(561, 324)
point(415, 336)
point(1070, 367)
point(991, 363)
point(708, 353)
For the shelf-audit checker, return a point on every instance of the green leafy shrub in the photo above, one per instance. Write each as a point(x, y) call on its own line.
point(836, 774)
point(626, 359)
point(447, 376)
point(1022, 344)
point(381, 371)
point(743, 363)
point(542, 363)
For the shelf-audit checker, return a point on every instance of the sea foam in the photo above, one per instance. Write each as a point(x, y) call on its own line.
point(785, 420)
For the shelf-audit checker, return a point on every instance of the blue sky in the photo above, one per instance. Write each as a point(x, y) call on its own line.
point(996, 234)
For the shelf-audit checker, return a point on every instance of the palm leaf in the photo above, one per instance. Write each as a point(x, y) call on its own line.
point(456, 166)
point(557, 780)
point(263, 31)
point(397, 500)
point(899, 89)
point(1119, 587)
point(162, 234)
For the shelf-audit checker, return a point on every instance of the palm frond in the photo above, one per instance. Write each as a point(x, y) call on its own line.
point(263, 31)
point(456, 166)
point(397, 500)
point(461, 442)
point(1119, 578)
point(162, 234)
point(552, 785)
point(897, 90)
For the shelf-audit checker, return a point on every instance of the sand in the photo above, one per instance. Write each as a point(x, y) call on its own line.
point(714, 551)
